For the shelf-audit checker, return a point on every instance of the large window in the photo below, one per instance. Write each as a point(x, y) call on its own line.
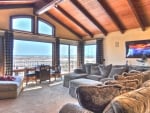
point(22, 24)
point(44, 28)
point(31, 54)
point(68, 57)
point(90, 54)
point(27, 23)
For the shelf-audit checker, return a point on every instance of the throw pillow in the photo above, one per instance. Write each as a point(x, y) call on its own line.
point(96, 98)
point(133, 84)
point(95, 70)
point(131, 76)
point(7, 78)
point(105, 70)
point(88, 68)
point(116, 71)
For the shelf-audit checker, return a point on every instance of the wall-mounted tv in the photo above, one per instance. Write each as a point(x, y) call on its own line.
point(138, 49)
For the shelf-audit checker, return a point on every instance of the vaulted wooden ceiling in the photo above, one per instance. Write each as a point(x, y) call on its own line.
point(91, 17)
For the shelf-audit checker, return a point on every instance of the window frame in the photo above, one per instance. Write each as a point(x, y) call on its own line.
point(46, 22)
point(23, 16)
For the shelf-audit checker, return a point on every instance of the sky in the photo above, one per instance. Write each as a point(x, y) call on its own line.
point(32, 48)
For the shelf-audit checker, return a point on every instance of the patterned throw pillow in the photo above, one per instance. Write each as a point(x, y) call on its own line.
point(95, 70)
point(7, 78)
point(105, 70)
point(131, 76)
point(133, 84)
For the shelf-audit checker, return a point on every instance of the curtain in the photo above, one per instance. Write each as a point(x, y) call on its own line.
point(56, 51)
point(8, 53)
point(1, 56)
point(80, 51)
point(99, 51)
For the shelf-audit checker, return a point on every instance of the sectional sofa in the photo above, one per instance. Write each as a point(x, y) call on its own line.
point(128, 93)
point(100, 72)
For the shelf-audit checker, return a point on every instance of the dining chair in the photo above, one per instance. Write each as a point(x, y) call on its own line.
point(44, 73)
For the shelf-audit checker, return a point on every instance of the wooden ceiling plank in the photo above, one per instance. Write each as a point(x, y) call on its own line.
point(74, 20)
point(42, 6)
point(53, 17)
point(12, 6)
point(137, 16)
point(112, 15)
point(89, 16)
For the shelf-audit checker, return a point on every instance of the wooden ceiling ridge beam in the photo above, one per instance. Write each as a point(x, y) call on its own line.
point(137, 16)
point(53, 17)
point(74, 20)
point(11, 6)
point(89, 16)
point(43, 6)
point(112, 15)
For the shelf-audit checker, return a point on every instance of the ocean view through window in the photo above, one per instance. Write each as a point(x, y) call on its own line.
point(90, 54)
point(31, 54)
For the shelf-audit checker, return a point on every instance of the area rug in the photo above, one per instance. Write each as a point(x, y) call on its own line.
point(40, 98)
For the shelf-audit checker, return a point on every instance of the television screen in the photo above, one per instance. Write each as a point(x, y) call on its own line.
point(138, 49)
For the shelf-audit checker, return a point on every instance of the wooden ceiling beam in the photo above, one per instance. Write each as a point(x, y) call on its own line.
point(89, 16)
point(12, 6)
point(14, 1)
point(54, 18)
point(112, 15)
point(43, 6)
point(74, 20)
point(137, 16)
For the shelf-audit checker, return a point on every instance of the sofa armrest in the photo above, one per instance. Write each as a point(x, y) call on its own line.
point(73, 108)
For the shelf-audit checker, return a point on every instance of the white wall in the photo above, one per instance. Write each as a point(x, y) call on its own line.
point(114, 46)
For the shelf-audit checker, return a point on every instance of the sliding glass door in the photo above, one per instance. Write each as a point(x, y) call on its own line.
point(68, 57)
point(64, 58)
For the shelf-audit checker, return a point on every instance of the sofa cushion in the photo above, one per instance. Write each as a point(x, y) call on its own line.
point(116, 71)
point(94, 77)
point(105, 70)
point(146, 84)
point(96, 98)
point(79, 71)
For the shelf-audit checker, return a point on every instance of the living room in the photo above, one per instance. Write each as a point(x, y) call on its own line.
point(71, 32)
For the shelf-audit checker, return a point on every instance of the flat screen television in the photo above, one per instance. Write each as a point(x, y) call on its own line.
point(138, 49)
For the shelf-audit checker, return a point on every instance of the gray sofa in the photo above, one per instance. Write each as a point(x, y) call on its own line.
point(11, 89)
point(95, 72)
point(129, 93)
point(100, 72)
